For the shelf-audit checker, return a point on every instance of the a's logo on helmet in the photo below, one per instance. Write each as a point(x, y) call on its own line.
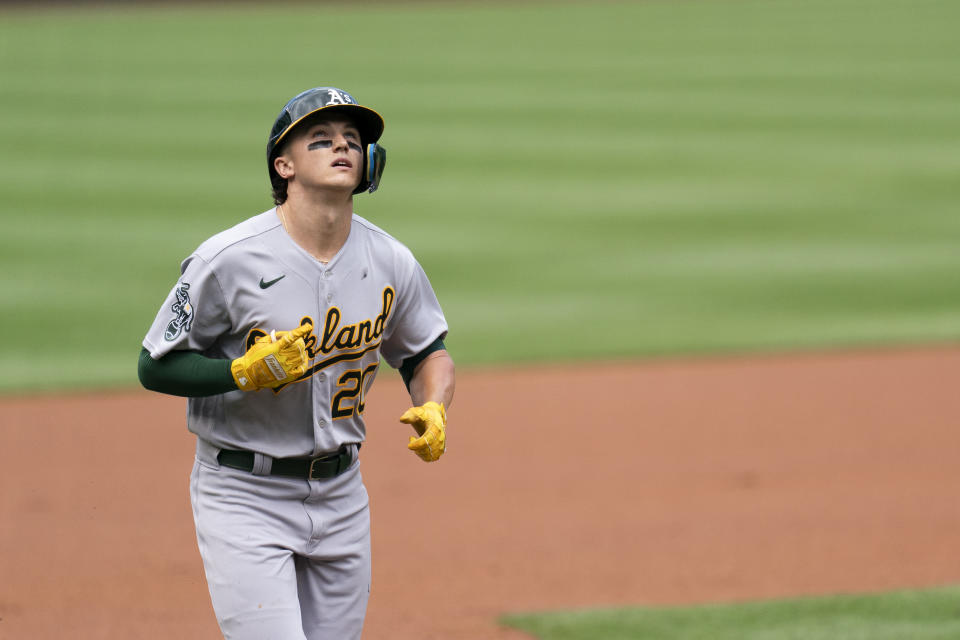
point(338, 97)
point(182, 314)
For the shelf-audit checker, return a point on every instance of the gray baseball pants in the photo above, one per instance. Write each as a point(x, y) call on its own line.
point(285, 558)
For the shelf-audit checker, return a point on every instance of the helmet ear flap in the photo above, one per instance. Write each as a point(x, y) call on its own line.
point(374, 161)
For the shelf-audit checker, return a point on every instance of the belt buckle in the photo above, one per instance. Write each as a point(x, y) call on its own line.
point(327, 458)
point(342, 458)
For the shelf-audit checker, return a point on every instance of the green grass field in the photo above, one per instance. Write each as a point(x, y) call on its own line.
point(587, 181)
point(932, 614)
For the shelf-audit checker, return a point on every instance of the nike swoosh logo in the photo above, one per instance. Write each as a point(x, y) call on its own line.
point(264, 285)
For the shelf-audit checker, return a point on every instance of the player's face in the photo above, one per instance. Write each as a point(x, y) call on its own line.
point(327, 154)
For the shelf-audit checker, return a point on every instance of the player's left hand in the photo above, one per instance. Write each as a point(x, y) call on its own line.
point(430, 421)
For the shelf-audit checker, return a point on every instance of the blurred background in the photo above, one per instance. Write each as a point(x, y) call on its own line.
point(580, 180)
point(583, 182)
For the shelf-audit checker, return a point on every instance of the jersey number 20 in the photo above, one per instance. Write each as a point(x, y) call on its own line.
point(349, 400)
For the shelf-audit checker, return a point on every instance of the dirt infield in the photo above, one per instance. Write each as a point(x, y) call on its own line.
point(647, 483)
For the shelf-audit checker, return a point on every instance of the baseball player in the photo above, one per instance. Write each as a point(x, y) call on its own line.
point(274, 332)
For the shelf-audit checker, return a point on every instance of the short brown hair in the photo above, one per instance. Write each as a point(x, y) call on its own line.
point(279, 186)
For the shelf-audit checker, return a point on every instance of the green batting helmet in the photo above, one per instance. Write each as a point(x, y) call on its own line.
point(332, 100)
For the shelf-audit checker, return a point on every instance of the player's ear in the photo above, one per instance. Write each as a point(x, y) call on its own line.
point(283, 166)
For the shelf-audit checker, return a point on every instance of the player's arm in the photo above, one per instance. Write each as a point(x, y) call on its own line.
point(272, 361)
point(433, 380)
point(437, 379)
point(430, 378)
point(185, 373)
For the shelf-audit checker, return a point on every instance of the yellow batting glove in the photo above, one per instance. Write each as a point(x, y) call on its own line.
point(273, 360)
point(430, 421)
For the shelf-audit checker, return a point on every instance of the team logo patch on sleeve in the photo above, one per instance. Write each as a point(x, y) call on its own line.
point(182, 314)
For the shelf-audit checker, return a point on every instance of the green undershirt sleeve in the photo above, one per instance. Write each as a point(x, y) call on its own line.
point(408, 365)
point(185, 373)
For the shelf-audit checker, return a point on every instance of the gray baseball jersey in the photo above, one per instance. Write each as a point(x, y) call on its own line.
point(371, 300)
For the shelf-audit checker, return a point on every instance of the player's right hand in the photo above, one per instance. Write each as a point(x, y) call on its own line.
point(273, 360)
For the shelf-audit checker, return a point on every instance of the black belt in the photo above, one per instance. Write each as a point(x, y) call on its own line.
point(329, 466)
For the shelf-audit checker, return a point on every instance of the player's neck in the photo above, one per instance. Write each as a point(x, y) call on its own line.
point(320, 227)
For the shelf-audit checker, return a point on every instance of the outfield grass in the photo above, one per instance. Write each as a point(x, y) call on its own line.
point(932, 614)
point(602, 180)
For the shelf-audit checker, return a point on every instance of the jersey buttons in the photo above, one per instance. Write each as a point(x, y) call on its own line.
point(321, 423)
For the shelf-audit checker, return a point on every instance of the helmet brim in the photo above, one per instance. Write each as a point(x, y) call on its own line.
point(368, 122)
